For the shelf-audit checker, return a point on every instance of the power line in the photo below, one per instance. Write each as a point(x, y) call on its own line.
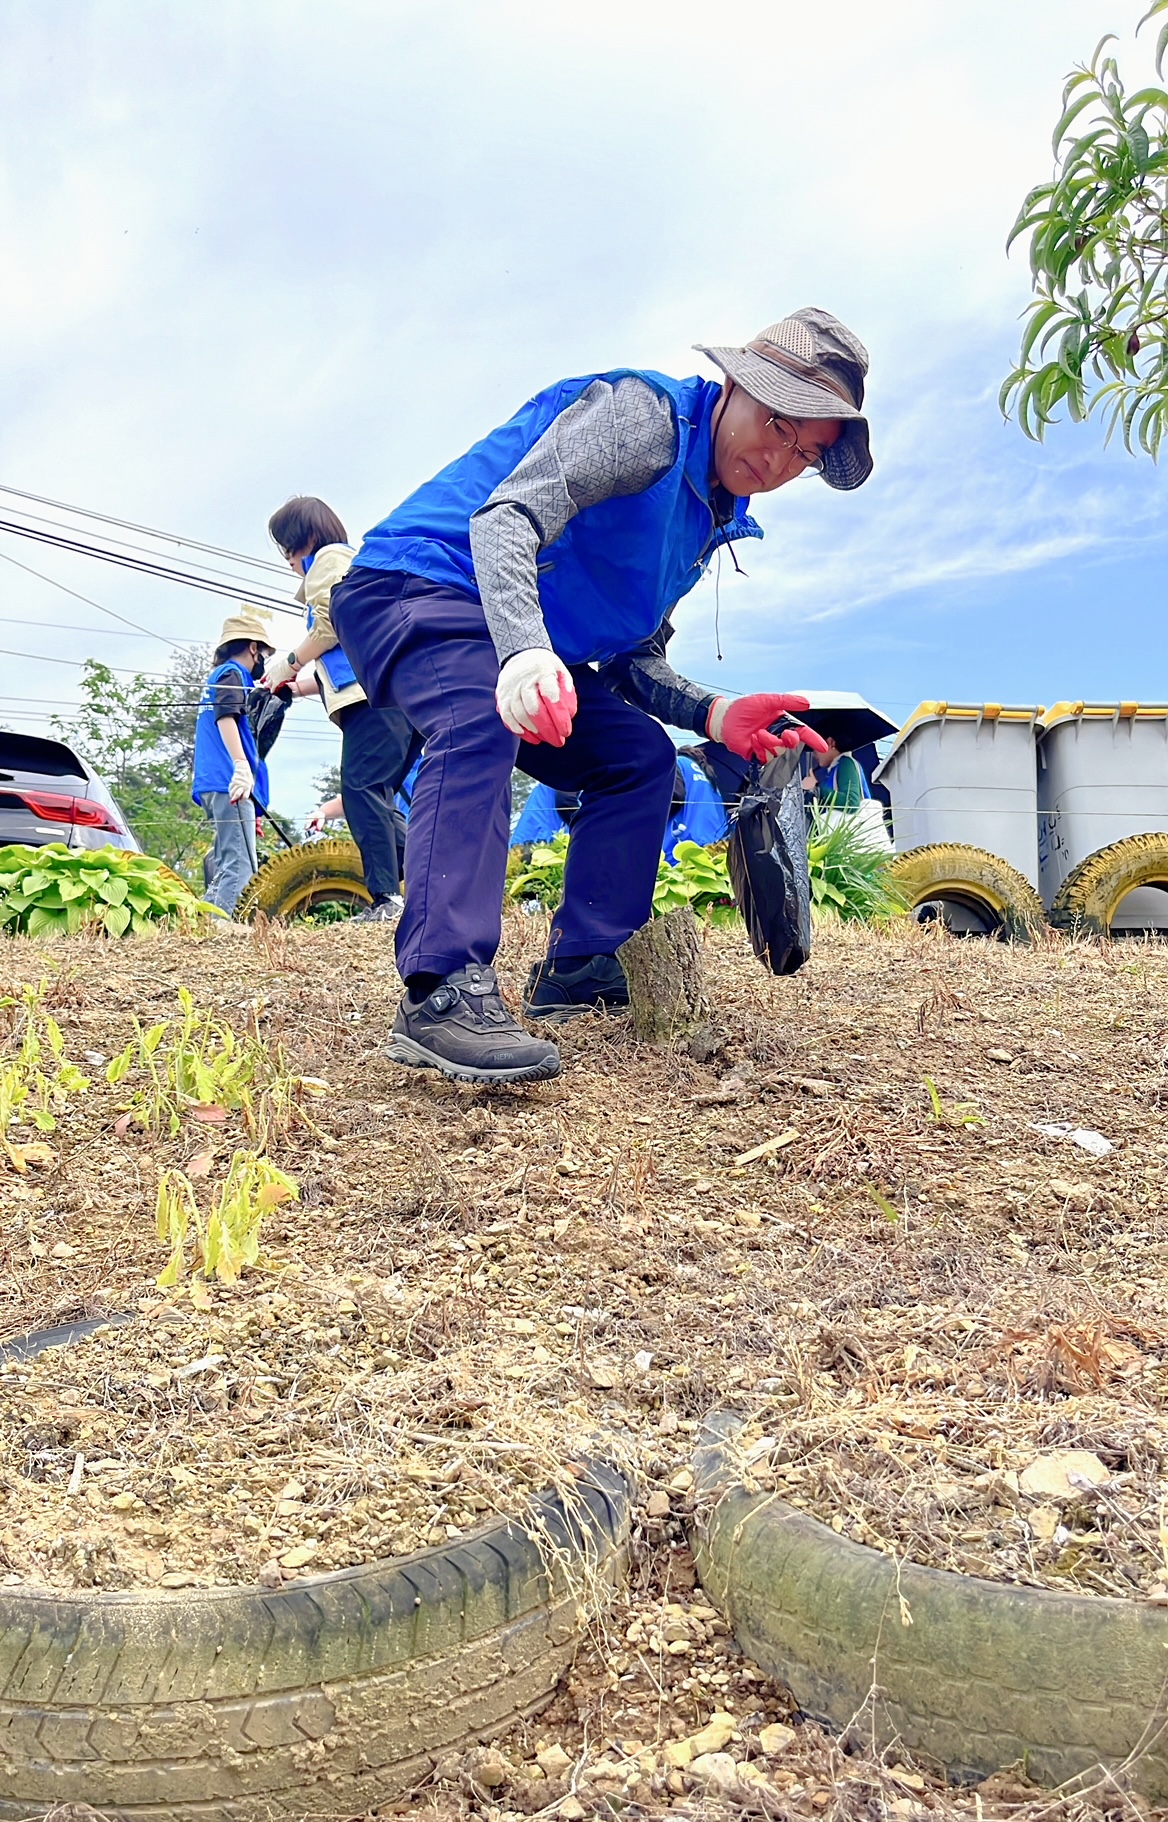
point(164, 572)
point(88, 600)
point(84, 512)
point(129, 544)
point(61, 626)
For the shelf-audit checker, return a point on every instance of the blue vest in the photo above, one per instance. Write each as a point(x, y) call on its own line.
point(609, 581)
point(213, 763)
point(339, 671)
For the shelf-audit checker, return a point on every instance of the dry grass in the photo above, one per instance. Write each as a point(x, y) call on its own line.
point(479, 1288)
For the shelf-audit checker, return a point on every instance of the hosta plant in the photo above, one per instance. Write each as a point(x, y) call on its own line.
point(56, 891)
point(698, 879)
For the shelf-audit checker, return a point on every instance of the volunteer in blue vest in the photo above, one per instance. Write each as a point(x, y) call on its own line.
point(378, 745)
point(230, 778)
point(498, 607)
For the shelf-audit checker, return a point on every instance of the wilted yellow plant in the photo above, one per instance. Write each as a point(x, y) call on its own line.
point(197, 1064)
point(228, 1240)
point(38, 1079)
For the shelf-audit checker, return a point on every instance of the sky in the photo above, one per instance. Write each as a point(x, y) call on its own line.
point(251, 251)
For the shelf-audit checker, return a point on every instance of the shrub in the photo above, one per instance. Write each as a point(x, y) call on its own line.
point(849, 872)
point(56, 891)
point(699, 880)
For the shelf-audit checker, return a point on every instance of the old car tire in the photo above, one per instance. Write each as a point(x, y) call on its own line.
point(972, 880)
point(1090, 896)
point(330, 1696)
point(986, 1675)
point(292, 882)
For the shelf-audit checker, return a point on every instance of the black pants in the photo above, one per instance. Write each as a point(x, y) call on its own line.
point(378, 747)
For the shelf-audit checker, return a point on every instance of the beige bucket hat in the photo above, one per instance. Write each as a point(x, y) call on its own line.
point(248, 623)
point(809, 365)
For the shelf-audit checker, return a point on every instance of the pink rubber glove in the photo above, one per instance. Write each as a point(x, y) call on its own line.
point(536, 698)
point(744, 725)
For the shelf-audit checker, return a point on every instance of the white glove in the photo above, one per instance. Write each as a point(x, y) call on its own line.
point(536, 698)
point(278, 671)
point(242, 782)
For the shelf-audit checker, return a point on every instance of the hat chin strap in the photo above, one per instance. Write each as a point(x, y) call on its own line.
point(790, 363)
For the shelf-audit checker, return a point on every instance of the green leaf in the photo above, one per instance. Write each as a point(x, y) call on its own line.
point(113, 891)
point(46, 923)
point(116, 919)
point(1070, 114)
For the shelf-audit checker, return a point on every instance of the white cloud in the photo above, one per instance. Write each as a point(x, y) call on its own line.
point(253, 250)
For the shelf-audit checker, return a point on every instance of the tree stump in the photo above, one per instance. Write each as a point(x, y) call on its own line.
point(663, 964)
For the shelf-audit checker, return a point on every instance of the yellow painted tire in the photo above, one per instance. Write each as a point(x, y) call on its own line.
point(983, 894)
point(1090, 896)
point(296, 880)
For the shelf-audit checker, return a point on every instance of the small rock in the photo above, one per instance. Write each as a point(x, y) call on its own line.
point(815, 1085)
point(657, 1505)
point(775, 1739)
point(677, 1753)
point(716, 1768)
point(682, 1481)
point(299, 1555)
point(123, 1502)
point(292, 1489)
point(1000, 1056)
point(717, 1732)
point(602, 1377)
point(553, 1761)
point(1063, 1474)
point(269, 1575)
point(572, 1809)
point(490, 1769)
point(177, 1578)
point(63, 1250)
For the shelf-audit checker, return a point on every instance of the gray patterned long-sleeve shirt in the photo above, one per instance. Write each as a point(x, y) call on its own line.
point(612, 440)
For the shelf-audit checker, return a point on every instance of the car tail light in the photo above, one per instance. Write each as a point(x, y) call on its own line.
point(84, 812)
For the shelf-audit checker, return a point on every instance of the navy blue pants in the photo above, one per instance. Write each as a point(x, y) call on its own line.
point(378, 747)
point(424, 649)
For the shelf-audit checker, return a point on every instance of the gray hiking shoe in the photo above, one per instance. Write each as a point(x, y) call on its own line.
point(555, 992)
point(464, 1029)
point(381, 911)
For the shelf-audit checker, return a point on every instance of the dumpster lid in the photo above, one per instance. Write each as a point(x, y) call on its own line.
point(960, 711)
point(1114, 712)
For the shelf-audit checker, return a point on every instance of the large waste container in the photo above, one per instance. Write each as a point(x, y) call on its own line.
point(1103, 815)
point(962, 779)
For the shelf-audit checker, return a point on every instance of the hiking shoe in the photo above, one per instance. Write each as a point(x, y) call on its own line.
point(557, 992)
point(464, 1029)
point(381, 911)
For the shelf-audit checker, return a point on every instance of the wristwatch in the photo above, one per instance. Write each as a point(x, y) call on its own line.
point(293, 660)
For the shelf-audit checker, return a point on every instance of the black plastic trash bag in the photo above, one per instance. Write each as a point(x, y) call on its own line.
point(265, 713)
point(767, 859)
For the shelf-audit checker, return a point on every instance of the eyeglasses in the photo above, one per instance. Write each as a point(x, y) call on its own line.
point(784, 429)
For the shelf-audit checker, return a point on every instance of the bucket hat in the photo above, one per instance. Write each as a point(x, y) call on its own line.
point(248, 623)
point(809, 366)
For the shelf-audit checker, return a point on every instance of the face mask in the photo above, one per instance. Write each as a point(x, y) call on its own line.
point(258, 669)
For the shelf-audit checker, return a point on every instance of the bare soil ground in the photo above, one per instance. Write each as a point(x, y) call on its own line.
point(912, 1295)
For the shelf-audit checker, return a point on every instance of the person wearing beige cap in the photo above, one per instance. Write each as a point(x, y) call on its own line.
point(516, 608)
point(230, 778)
